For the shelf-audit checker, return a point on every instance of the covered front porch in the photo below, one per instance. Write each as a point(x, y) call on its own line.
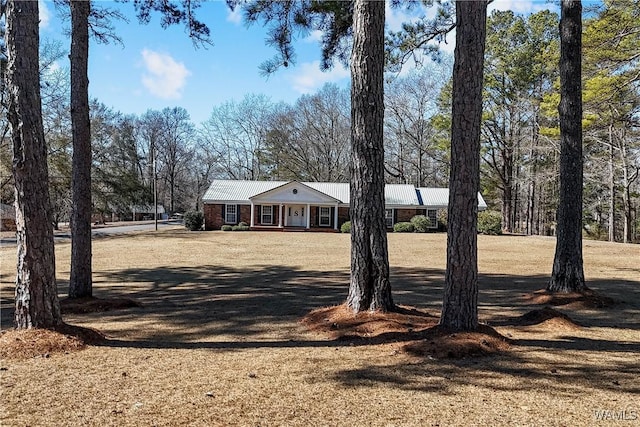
point(294, 206)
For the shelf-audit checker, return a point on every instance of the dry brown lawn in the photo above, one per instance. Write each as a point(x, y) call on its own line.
point(218, 340)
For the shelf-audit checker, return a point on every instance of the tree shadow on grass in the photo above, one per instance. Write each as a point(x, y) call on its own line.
point(202, 302)
point(259, 307)
point(510, 372)
point(196, 296)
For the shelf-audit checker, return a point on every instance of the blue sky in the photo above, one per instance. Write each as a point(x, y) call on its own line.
point(158, 68)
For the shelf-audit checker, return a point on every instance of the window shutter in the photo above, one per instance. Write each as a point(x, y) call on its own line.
point(395, 216)
point(333, 215)
point(238, 220)
point(259, 214)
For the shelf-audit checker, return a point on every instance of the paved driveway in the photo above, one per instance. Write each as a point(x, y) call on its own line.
point(106, 231)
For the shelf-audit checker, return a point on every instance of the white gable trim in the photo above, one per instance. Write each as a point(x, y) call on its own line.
point(293, 192)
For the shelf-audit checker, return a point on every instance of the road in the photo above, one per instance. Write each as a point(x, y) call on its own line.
point(123, 229)
point(106, 231)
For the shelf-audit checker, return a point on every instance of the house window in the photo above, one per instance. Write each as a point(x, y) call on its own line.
point(325, 217)
point(432, 214)
point(388, 217)
point(267, 215)
point(231, 214)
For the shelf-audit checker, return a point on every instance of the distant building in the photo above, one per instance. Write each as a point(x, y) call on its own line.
point(7, 217)
point(146, 212)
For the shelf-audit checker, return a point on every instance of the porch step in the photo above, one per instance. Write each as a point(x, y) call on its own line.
point(295, 229)
point(310, 230)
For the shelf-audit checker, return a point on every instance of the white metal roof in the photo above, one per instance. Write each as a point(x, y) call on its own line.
point(337, 190)
point(396, 195)
point(222, 190)
point(439, 198)
point(436, 197)
point(400, 195)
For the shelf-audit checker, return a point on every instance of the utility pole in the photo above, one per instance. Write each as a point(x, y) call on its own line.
point(155, 186)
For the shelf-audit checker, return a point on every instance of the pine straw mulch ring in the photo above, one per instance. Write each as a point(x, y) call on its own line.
point(419, 331)
point(28, 343)
point(578, 300)
point(549, 318)
point(38, 342)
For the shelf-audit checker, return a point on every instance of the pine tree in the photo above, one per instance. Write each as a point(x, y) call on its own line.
point(460, 304)
point(80, 283)
point(567, 274)
point(37, 302)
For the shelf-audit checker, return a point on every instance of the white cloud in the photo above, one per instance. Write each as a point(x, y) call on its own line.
point(310, 78)
point(55, 66)
point(235, 16)
point(519, 6)
point(314, 36)
point(44, 14)
point(448, 45)
point(164, 77)
point(394, 18)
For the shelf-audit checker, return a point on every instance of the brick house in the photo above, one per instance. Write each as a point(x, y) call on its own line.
point(274, 205)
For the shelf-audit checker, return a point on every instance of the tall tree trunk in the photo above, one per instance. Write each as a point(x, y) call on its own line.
point(36, 291)
point(612, 189)
point(516, 174)
point(568, 272)
point(507, 207)
point(369, 287)
point(460, 304)
point(172, 193)
point(627, 180)
point(531, 197)
point(80, 283)
point(532, 227)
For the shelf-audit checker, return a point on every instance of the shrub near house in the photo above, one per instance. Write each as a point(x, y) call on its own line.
point(403, 227)
point(490, 222)
point(421, 223)
point(193, 220)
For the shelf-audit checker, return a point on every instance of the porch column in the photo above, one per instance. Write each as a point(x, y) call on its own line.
point(280, 215)
point(335, 218)
point(308, 215)
point(253, 207)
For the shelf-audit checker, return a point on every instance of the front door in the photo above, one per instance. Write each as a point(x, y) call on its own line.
point(296, 216)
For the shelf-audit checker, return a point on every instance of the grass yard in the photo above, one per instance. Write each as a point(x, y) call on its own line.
point(218, 339)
